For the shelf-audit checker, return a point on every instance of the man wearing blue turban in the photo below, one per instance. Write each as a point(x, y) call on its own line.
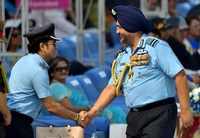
point(149, 75)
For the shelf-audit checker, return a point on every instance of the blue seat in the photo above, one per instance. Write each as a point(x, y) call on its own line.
point(99, 77)
point(90, 44)
point(74, 84)
point(88, 87)
point(92, 93)
point(66, 48)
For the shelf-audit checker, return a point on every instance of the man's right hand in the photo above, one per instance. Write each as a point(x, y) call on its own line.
point(85, 118)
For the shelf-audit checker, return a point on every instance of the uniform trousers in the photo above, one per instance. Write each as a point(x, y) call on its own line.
point(157, 121)
point(20, 126)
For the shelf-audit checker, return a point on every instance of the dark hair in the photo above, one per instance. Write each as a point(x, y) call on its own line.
point(35, 46)
point(158, 24)
point(53, 63)
point(190, 18)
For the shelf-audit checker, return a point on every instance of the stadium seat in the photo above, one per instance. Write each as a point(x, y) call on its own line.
point(78, 96)
point(66, 48)
point(88, 87)
point(99, 77)
point(92, 93)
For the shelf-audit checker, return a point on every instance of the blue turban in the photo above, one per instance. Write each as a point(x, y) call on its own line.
point(131, 19)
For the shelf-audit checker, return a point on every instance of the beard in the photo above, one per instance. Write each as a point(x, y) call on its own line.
point(125, 43)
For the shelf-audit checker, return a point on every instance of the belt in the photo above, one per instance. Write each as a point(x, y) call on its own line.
point(153, 105)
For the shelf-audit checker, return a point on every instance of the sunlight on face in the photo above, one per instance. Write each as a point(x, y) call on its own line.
point(123, 34)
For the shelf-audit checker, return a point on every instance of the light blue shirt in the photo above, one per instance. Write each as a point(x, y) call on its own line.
point(153, 81)
point(29, 83)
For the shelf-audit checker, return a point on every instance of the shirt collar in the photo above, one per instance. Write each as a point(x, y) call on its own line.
point(42, 62)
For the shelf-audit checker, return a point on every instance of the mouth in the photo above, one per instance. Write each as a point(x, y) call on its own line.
point(121, 39)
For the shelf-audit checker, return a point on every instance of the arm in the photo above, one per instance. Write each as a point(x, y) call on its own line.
point(104, 99)
point(183, 96)
point(58, 109)
point(172, 67)
point(66, 103)
point(4, 109)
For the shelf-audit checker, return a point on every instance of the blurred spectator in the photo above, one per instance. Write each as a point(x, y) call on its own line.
point(58, 72)
point(153, 5)
point(13, 34)
point(175, 27)
point(194, 11)
point(172, 7)
point(183, 27)
point(193, 41)
point(159, 27)
point(14, 41)
point(174, 40)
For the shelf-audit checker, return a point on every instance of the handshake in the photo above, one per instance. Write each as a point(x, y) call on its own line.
point(84, 117)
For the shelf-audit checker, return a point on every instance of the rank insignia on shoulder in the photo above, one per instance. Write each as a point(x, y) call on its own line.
point(122, 50)
point(152, 42)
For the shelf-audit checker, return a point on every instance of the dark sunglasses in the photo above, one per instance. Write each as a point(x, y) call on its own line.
point(60, 69)
point(53, 44)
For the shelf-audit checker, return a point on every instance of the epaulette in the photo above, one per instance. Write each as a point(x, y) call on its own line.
point(120, 51)
point(151, 41)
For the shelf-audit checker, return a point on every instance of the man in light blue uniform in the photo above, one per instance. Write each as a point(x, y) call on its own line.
point(29, 84)
point(149, 74)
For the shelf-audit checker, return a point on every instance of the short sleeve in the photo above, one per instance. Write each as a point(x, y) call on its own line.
point(41, 84)
point(58, 91)
point(110, 82)
point(117, 61)
point(167, 60)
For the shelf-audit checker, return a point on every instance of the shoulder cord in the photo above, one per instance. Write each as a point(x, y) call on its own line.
point(127, 68)
point(118, 80)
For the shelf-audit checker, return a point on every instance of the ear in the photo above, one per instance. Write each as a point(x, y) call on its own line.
point(42, 45)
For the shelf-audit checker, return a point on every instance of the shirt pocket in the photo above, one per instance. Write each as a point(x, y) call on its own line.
point(140, 73)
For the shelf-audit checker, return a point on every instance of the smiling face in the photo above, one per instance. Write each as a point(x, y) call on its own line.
point(48, 49)
point(123, 34)
point(60, 71)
